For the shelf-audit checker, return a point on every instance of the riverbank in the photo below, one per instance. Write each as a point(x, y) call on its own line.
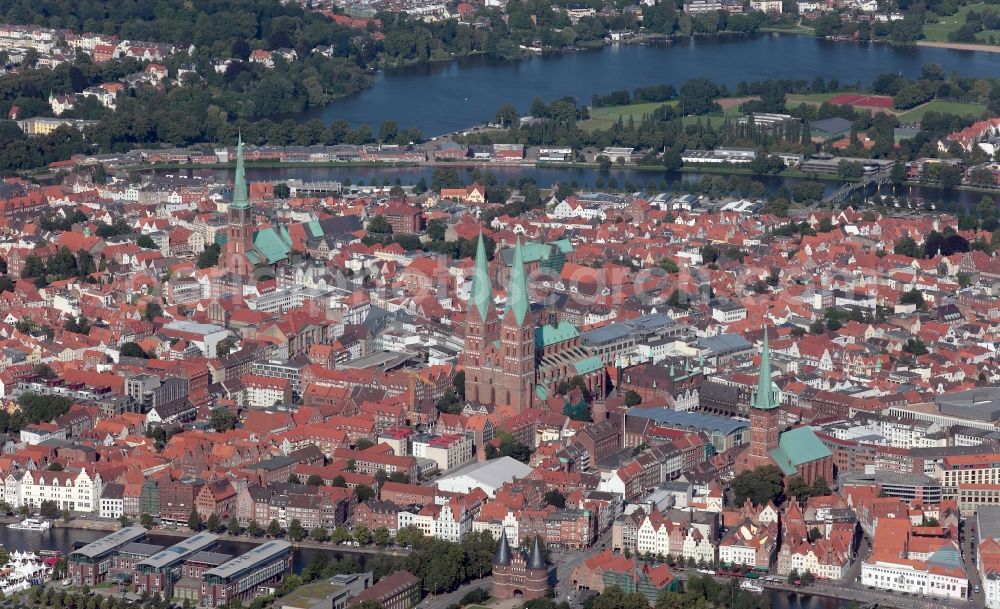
point(86, 524)
point(959, 46)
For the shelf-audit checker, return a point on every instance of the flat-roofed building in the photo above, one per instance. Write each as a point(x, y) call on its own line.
point(157, 573)
point(239, 578)
point(90, 564)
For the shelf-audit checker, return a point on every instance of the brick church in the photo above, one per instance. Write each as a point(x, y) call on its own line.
point(519, 358)
point(517, 576)
point(796, 452)
point(244, 247)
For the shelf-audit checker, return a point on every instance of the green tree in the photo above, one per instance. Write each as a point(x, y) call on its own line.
point(314, 480)
point(555, 499)
point(632, 398)
point(382, 536)
point(253, 529)
point(222, 419)
point(379, 225)
point(209, 257)
point(362, 535)
point(320, 534)
point(194, 520)
point(233, 526)
point(282, 191)
point(214, 523)
point(760, 485)
point(295, 530)
point(145, 521)
point(273, 528)
point(146, 242)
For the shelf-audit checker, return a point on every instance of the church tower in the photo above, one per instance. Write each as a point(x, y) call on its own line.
point(764, 411)
point(239, 232)
point(481, 330)
point(517, 340)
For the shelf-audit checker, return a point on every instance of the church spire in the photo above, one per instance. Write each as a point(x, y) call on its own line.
point(240, 198)
point(517, 291)
point(764, 400)
point(482, 290)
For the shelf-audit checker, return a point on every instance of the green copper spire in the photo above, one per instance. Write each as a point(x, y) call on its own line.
point(240, 198)
point(482, 290)
point(764, 400)
point(517, 292)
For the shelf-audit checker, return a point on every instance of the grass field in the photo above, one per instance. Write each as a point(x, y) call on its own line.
point(915, 115)
point(939, 31)
point(985, 36)
point(795, 99)
point(605, 117)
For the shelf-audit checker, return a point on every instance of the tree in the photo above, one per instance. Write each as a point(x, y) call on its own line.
point(382, 536)
point(915, 346)
point(145, 521)
point(760, 485)
point(363, 443)
point(793, 576)
point(409, 536)
point(820, 488)
point(814, 534)
point(124, 521)
point(798, 488)
point(808, 578)
point(555, 499)
point(222, 419)
point(364, 492)
point(295, 530)
point(314, 480)
point(214, 524)
point(339, 481)
point(194, 520)
point(282, 191)
point(369, 604)
point(152, 311)
point(209, 257)
point(507, 116)
point(632, 398)
point(233, 526)
point(362, 535)
point(379, 225)
point(273, 528)
point(906, 246)
point(914, 297)
point(320, 534)
point(146, 242)
point(253, 529)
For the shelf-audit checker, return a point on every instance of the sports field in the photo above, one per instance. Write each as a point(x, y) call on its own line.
point(883, 102)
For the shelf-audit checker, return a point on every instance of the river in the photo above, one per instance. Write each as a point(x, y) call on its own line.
point(62, 539)
point(545, 177)
point(445, 97)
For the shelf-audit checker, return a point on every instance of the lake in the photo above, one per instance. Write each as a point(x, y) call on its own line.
point(445, 97)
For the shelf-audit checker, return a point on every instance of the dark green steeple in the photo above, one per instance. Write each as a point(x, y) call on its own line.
point(764, 399)
point(240, 198)
point(517, 291)
point(482, 290)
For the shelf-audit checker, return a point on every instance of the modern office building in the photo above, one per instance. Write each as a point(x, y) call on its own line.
point(157, 573)
point(90, 564)
point(239, 578)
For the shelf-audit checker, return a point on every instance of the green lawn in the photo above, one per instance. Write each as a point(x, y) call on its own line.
point(985, 35)
point(603, 118)
point(917, 114)
point(795, 99)
point(938, 32)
